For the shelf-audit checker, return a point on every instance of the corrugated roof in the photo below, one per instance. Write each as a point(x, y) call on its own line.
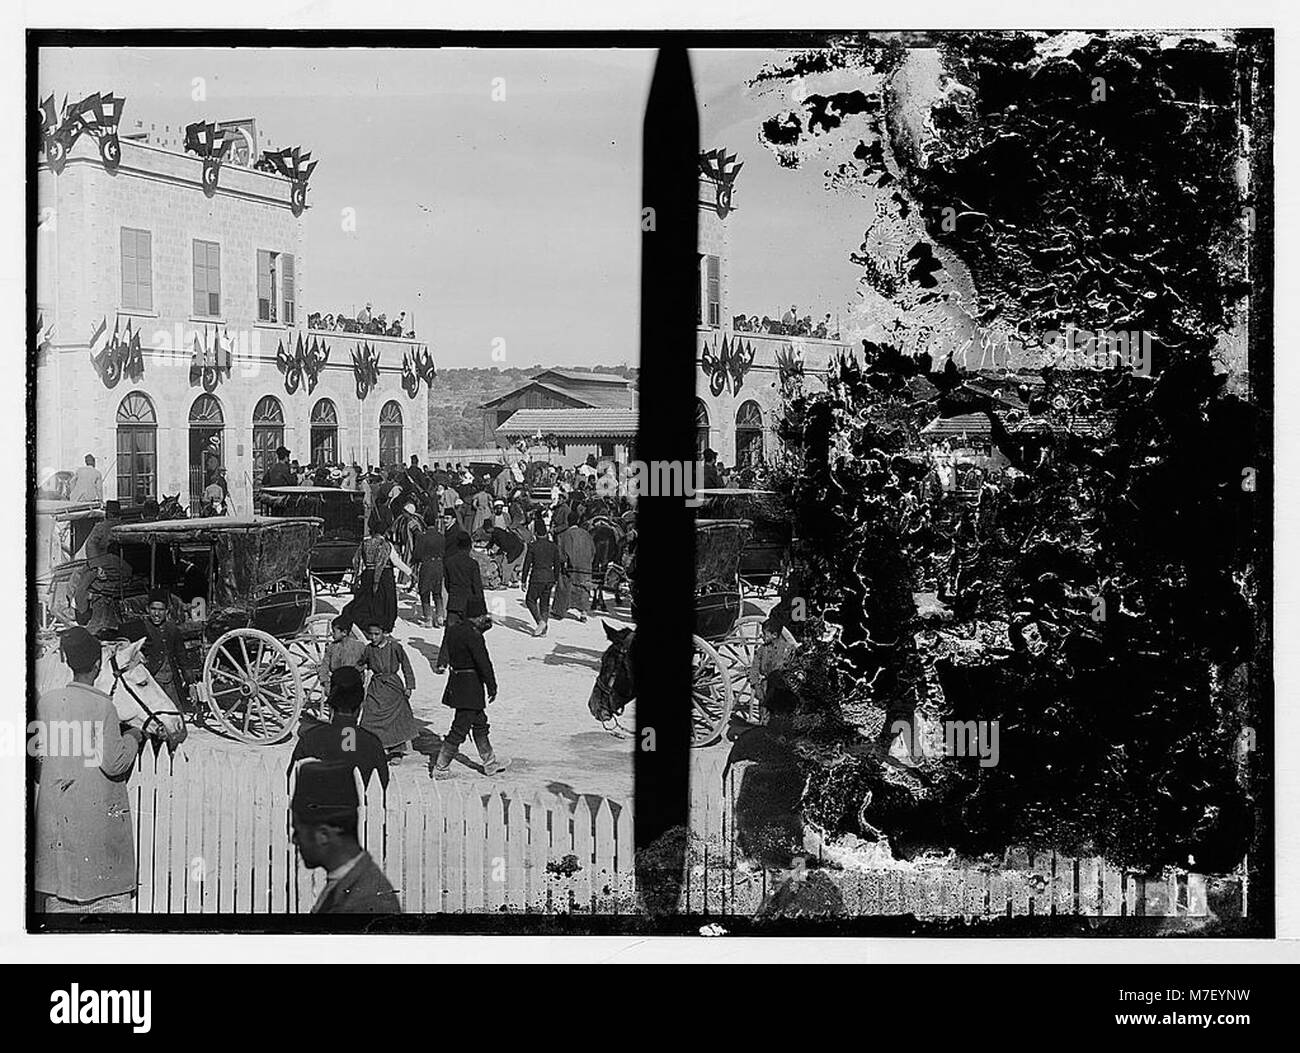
point(974, 424)
point(606, 396)
point(572, 423)
point(593, 378)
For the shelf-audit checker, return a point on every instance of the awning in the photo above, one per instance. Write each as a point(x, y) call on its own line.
point(571, 425)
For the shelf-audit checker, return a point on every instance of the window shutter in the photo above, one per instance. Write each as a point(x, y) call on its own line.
point(144, 269)
point(200, 278)
point(287, 281)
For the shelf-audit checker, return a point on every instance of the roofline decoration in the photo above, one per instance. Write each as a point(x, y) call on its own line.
point(725, 367)
point(211, 361)
point(417, 366)
point(208, 142)
point(121, 356)
point(365, 368)
point(294, 165)
point(302, 361)
point(97, 115)
point(716, 166)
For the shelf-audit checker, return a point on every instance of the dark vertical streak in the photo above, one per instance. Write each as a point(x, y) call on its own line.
point(664, 586)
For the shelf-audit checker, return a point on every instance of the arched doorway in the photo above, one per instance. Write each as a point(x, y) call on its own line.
point(701, 429)
point(137, 449)
point(324, 433)
point(390, 434)
point(207, 445)
point(749, 435)
point(268, 435)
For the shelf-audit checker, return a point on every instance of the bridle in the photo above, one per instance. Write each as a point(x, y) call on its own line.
point(606, 682)
point(119, 677)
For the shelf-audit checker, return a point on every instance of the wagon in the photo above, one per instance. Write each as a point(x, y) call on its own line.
point(724, 640)
point(253, 641)
point(343, 517)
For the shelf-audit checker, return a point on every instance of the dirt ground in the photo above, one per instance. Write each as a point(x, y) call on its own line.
point(540, 718)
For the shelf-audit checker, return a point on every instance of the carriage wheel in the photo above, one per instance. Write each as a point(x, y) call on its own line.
point(308, 650)
point(253, 686)
point(737, 649)
point(711, 695)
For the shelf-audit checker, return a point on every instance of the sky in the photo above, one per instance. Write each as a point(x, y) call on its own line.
point(489, 220)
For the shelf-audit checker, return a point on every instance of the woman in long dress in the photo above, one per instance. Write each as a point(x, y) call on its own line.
point(386, 712)
point(374, 590)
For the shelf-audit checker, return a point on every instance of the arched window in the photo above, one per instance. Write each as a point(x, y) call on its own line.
point(137, 449)
point(268, 435)
point(701, 429)
point(390, 434)
point(324, 433)
point(207, 448)
point(749, 435)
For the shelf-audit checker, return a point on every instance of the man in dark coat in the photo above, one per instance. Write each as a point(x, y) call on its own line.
point(471, 686)
point(430, 550)
point(464, 580)
point(164, 649)
point(341, 741)
point(509, 548)
point(280, 473)
point(540, 571)
point(324, 811)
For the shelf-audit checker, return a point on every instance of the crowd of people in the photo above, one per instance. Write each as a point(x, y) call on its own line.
point(790, 323)
point(365, 321)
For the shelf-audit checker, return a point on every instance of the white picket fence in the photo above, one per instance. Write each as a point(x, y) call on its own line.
point(212, 835)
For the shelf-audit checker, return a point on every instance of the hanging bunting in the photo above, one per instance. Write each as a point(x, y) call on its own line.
point(417, 366)
point(726, 367)
point(208, 142)
point(293, 164)
point(365, 369)
point(96, 115)
point(716, 166)
point(211, 360)
point(121, 356)
point(302, 361)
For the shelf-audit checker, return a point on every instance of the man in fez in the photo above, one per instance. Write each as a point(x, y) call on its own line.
point(324, 812)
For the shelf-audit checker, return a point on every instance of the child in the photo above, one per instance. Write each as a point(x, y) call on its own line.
point(464, 650)
point(387, 712)
point(343, 649)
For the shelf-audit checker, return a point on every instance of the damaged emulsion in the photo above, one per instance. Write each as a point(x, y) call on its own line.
point(1118, 732)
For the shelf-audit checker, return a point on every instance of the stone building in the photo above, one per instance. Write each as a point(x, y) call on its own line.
point(173, 329)
point(738, 386)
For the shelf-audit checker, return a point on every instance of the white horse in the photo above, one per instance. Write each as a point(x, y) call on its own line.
point(137, 697)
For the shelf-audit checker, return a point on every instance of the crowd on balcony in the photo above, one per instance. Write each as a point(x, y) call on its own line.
point(789, 324)
point(365, 321)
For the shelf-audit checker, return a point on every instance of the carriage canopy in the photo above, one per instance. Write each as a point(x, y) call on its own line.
point(252, 552)
point(718, 545)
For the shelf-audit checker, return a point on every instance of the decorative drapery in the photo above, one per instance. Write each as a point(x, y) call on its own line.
point(121, 356)
point(726, 367)
point(211, 359)
point(96, 115)
point(303, 361)
point(208, 142)
point(293, 164)
point(717, 166)
point(365, 369)
point(417, 366)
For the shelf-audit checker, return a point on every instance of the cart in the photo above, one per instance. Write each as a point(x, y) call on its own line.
point(243, 590)
point(343, 517)
point(724, 641)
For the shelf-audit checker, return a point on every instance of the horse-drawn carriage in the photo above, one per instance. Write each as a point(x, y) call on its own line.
point(61, 530)
point(766, 552)
point(728, 632)
point(242, 597)
point(343, 525)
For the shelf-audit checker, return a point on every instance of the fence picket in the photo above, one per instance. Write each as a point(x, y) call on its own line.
point(404, 816)
point(210, 834)
point(454, 880)
point(604, 879)
point(1089, 887)
point(177, 859)
point(538, 853)
point(496, 876)
point(516, 847)
point(475, 831)
point(249, 788)
point(148, 829)
point(1064, 885)
point(584, 849)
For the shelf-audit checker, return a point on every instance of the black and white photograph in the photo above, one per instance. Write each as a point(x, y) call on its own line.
point(413, 535)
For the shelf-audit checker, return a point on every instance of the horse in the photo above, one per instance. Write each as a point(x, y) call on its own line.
point(138, 699)
point(171, 508)
point(607, 536)
point(614, 687)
